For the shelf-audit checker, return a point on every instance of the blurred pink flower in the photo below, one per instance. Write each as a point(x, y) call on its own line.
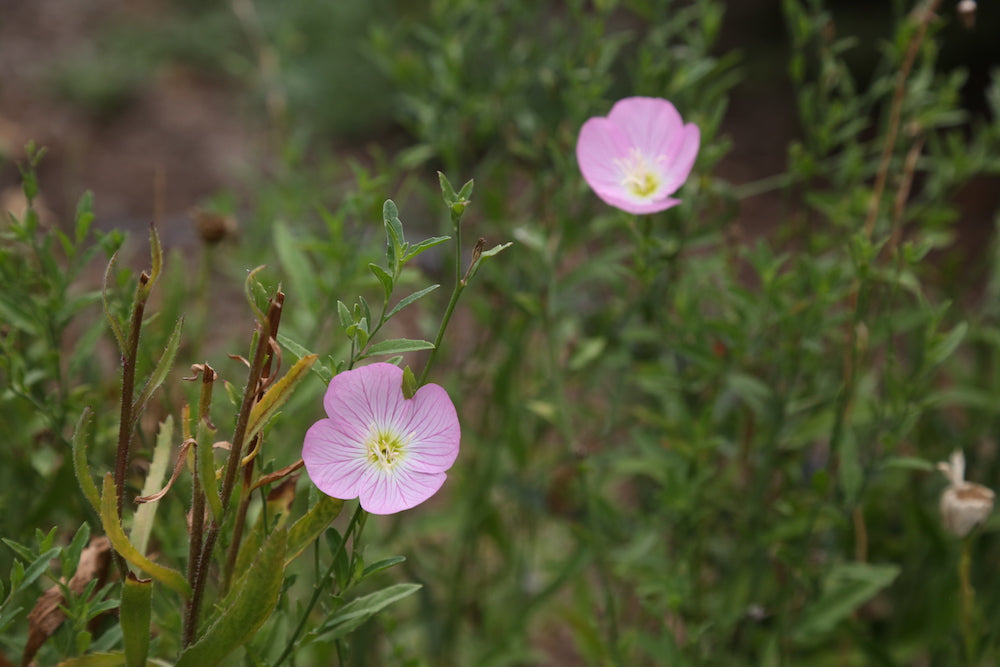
point(639, 155)
point(390, 451)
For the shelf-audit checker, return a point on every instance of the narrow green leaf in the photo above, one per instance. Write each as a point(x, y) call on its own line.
point(447, 191)
point(426, 244)
point(156, 255)
point(383, 277)
point(944, 346)
point(136, 611)
point(142, 522)
point(113, 529)
point(407, 300)
point(244, 611)
point(356, 612)
point(847, 587)
point(397, 346)
point(161, 370)
point(116, 327)
point(36, 569)
point(84, 216)
point(295, 348)
point(384, 564)
point(344, 315)
point(276, 395)
point(311, 525)
point(206, 469)
point(81, 438)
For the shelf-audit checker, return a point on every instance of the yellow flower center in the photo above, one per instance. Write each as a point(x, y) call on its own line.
point(638, 175)
point(385, 449)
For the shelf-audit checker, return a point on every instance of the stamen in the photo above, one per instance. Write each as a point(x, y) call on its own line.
point(385, 449)
point(638, 176)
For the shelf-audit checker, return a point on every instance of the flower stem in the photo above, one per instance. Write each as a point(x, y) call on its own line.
point(456, 223)
point(357, 519)
point(968, 617)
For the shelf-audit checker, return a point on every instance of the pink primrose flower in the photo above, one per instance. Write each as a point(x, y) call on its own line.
point(639, 155)
point(390, 451)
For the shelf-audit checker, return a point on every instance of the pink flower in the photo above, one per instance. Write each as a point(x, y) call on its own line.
point(390, 451)
point(639, 155)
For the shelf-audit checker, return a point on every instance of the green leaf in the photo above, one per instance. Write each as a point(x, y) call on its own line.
point(311, 525)
point(116, 327)
point(344, 314)
point(113, 528)
point(136, 611)
point(159, 373)
point(847, 587)
point(81, 438)
point(383, 277)
point(142, 522)
point(415, 250)
point(250, 603)
point(944, 346)
point(36, 569)
point(407, 300)
point(397, 346)
point(276, 396)
point(356, 612)
point(384, 564)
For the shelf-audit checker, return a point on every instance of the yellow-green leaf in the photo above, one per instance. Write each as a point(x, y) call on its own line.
point(277, 395)
point(113, 528)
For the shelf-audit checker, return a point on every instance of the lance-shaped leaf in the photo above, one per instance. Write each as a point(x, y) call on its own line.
point(113, 322)
point(160, 372)
point(406, 301)
point(250, 603)
point(142, 522)
point(115, 659)
point(136, 611)
point(312, 524)
point(276, 396)
point(397, 346)
point(356, 612)
point(206, 469)
point(81, 436)
point(113, 528)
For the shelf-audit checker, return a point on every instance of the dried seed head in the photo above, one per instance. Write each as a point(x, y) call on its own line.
point(964, 505)
point(213, 227)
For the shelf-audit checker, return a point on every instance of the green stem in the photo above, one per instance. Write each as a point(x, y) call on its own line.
point(455, 293)
point(358, 516)
point(968, 601)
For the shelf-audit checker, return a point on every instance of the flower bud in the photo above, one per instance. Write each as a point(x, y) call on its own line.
point(964, 505)
point(967, 13)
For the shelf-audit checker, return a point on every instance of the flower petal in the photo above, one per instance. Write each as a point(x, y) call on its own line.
point(388, 493)
point(638, 207)
point(650, 124)
point(678, 163)
point(599, 147)
point(335, 460)
point(434, 431)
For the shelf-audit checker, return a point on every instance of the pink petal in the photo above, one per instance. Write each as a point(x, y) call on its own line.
point(335, 461)
point(650, 124)
point(677, 165)
point(401, 490)
point(600, 144)
point(638, 208)
point(433, 425)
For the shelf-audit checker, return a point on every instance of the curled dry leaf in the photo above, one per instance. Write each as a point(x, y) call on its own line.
point(46, 616)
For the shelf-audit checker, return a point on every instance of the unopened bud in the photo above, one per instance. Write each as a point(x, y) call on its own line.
point(967, 13)
point(964, 505)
